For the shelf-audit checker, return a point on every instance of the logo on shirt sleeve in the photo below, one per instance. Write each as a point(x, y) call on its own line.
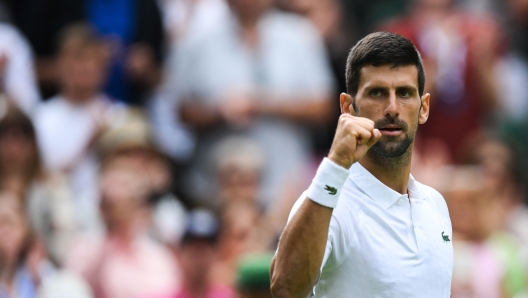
point(445, 237)
point(331, 190)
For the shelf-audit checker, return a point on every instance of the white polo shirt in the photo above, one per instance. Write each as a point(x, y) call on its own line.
point(383, 244)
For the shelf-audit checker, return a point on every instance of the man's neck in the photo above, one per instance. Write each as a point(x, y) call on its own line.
point(392, 171)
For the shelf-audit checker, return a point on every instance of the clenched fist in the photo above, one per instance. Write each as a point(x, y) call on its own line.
point(354, 137)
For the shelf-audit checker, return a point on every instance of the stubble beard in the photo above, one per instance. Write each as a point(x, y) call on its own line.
point(389, 152)
point(392, 155)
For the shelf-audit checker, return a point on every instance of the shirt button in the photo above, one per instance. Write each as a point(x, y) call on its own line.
point(400, 201)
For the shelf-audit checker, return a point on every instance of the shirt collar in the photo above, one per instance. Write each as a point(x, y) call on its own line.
point(378, 191)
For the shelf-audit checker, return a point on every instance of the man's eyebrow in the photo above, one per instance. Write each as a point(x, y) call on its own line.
point(372, 87)
point(407, 87)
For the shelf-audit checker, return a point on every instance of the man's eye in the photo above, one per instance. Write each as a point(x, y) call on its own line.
point(405, 93)
point(376, 92)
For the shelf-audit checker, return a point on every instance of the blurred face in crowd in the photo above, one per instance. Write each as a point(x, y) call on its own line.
point(473, 209)
point(17, 148)
point(238, 183)
point(154, 168)
point(240, 221)
point(249, 9)
point(14, 228)
point(82, 68)
point(389, 96)
point(122, 196)
point(196, 258)
point(496, 162)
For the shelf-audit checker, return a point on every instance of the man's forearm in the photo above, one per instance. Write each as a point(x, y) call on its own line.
point(296, 266)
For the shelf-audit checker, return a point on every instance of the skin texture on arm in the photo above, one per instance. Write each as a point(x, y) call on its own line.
point(301, 249)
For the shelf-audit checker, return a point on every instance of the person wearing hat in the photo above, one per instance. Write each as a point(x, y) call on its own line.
point(197, 254)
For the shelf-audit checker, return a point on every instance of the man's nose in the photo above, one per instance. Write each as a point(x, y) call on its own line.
point(392, 106)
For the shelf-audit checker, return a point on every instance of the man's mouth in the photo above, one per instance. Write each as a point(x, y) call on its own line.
point(390, 130)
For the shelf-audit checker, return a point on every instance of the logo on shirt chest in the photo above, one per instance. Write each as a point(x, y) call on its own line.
point(445, 237)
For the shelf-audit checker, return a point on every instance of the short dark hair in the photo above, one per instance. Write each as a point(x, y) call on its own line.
point(381, 48)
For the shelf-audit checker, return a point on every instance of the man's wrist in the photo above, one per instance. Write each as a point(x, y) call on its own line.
point(327, 183)
point(342, 162)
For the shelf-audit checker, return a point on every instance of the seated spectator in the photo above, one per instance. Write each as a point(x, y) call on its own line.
point(239, 164)
point(17, 77)
point(259, 73)
point(244, 231)
point(136, 31)
point(26, 271)
point(460, 53)
point(16, 279)
point(128, 145)
point(124, 262)
point(197, 254)
point(69, 123)
point(46, 196)
point(487, 261)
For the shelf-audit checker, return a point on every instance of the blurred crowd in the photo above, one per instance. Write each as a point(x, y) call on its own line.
point(153, 149)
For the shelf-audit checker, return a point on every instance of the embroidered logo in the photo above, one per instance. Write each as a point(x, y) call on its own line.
point(331, 190)
point(445, 237)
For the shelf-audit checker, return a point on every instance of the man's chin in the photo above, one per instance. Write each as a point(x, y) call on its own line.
point(390, 149)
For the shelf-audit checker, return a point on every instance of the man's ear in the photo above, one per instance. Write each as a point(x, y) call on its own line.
point(424, 109)
point(346, 102)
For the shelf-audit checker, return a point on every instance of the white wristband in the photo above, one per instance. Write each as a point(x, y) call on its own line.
point(327, 183)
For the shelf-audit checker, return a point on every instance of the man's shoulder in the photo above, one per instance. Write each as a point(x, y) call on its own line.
point(435, 196)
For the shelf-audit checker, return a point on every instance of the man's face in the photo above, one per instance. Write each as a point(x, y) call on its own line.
point(83, 67)
point(388, 95)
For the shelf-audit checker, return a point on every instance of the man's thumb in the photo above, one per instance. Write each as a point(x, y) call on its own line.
point(376, 136)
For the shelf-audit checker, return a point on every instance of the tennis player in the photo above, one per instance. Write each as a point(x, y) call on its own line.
point(365, 227)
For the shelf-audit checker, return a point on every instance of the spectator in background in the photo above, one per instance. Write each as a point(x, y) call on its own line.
point(128, 146)
point(124, 262)
point(135, 27)
point(187, 18)
point(41, 21)
point(487, 261)
point(367, 14)
point(69, 124)
point(17, 77)
point(503, 173)
point(460, 52)
point(244, 231)
point(46, 196)
point(259, 73)
point(339, 35)
point(16, 279)
point(197, 254)
point(136, 31)
point(25, 271)
point(238, 163)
